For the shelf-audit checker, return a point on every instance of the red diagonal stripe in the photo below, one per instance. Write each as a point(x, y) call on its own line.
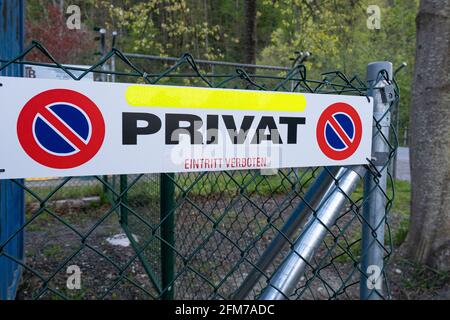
point(63, 128)
point(342, 134)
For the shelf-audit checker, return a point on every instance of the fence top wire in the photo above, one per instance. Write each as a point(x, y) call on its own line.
point(207, 62)
point(334, 82)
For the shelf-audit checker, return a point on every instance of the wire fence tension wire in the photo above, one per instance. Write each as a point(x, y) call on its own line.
point(208, 62)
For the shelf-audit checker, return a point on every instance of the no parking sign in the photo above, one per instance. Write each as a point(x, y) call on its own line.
point(60, 128)
point(339, 131)
point(70, 128)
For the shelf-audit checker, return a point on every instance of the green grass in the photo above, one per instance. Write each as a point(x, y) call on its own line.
point(207, 185)
point(421, 277)
point(240, 181)
point(146, 192)
point(401, 207)
point(75, 294)
point(402, 197)
point(211, 184)
point(354, 251)
point(66, 192)
point(52, 251)
point(399, 235)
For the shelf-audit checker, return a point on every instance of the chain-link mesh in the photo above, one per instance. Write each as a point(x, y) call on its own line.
point(191, 235)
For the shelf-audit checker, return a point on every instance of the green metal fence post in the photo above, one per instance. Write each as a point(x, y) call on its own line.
point(167, 193)
point(103, 79)
point(105, 189)
point(123, 199)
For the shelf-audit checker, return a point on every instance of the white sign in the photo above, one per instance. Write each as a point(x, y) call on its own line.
point(70, 128)
point(43, 72)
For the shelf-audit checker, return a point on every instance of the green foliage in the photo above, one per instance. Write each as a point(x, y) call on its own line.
point(336, 34)
point(166, 28)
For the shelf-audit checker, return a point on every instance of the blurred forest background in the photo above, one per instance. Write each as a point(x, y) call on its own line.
point(256, 31)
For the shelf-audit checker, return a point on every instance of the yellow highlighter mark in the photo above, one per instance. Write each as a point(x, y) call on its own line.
point(155, 96)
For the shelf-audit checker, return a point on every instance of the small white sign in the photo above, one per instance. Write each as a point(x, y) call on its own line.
point(43, 72)
point(72, 128)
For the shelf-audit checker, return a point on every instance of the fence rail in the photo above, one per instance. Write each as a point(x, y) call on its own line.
point(301, 233)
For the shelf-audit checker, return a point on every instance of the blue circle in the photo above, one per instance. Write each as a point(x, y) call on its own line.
point(51, 139)
point(332, 137)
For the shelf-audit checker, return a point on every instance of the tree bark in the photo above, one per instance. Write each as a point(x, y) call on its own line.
point(428, 240)
point(249, 41)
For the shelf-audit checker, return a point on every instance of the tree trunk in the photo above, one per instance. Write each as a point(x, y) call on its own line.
point(249, 41)
point(428, 240)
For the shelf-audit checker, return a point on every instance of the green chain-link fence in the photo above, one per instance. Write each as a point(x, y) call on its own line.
point(202, 235)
